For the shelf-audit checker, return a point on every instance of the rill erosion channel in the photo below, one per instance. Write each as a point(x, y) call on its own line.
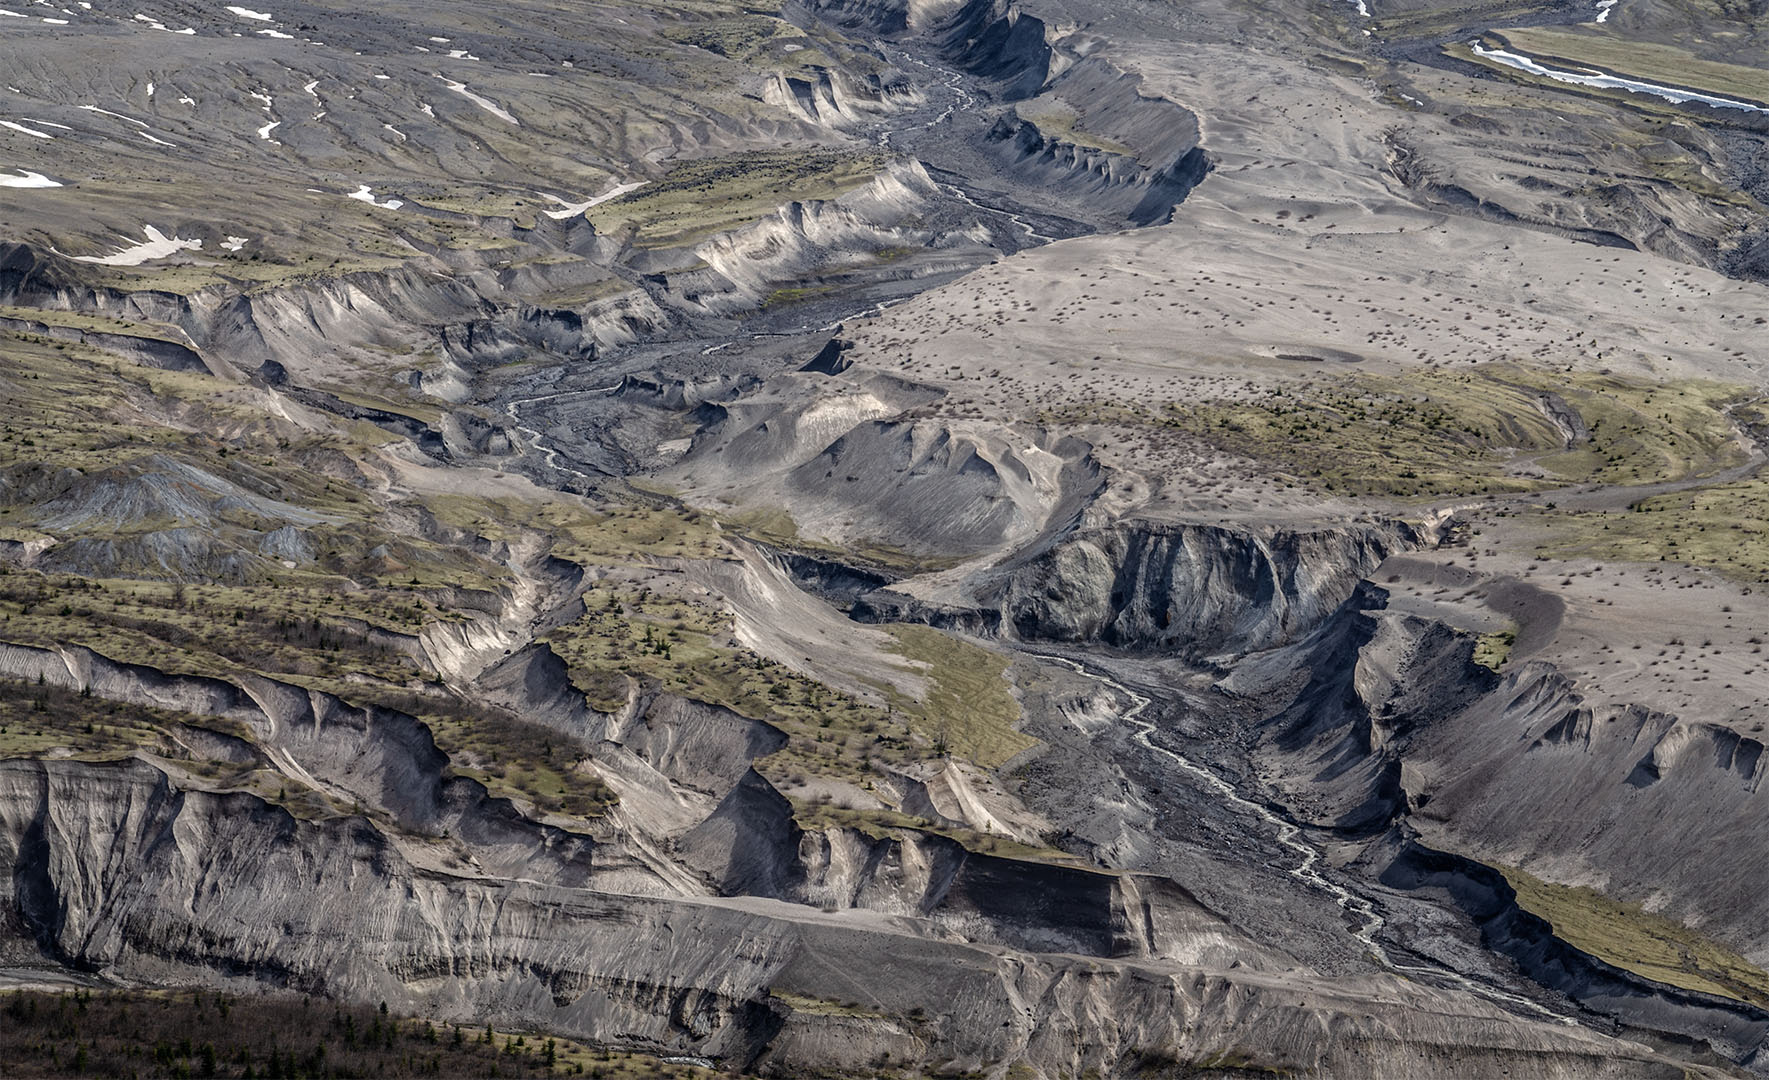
point(1005, 539)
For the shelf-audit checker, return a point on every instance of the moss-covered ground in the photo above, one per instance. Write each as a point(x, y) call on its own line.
point(699, 198)
point(1430, 434)
point(1639, 941)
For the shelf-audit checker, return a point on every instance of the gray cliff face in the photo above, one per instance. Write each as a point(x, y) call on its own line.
point(778, 336)
point(1208, 593)
point(1387, 730)
point(1200, 590)
point(116, 871)
point(698, 939)
point(1509, 770)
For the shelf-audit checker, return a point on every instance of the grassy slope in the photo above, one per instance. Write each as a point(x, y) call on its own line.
point(1459, 433)
point(651, 632)
point(1643, 60)
point(1722, 527)
point(312, 624)
point(1637, 940)
point(700, 198)
point(73, 408)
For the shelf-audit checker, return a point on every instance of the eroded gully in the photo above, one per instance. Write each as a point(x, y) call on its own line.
point(1307, 857)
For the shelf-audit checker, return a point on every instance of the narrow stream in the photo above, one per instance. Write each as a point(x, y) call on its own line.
point(1603, 80)
point(536, 441)
point(961, 99)
point(1307, 857)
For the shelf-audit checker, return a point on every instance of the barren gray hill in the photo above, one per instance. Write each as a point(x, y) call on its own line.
point(883, 538)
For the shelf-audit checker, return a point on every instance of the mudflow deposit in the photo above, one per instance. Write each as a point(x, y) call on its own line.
point(893, 538)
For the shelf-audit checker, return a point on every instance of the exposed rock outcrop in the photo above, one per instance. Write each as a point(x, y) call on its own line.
point(115, 871)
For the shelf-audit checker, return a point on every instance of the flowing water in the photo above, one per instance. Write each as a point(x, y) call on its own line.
point(1305, 857)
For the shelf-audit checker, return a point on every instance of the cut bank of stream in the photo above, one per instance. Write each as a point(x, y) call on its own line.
point(1308, 857)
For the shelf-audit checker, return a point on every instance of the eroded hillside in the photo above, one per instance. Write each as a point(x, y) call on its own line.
point(868, 538)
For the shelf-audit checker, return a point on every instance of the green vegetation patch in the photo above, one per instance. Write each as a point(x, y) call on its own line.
point(815, 1006)
point(1637, 940)
point(970, 710)
point(1430, 433)
point(613, 535)
point(1724, 527)
point(632, 635)
point(214, 630)
point(1492, 650)
point(313, 637)
point(775, 525)
point(742, 36)
point(700, 198)
point(513, 758)
point(75, 320)
point(786, 297)
point(38, 720)
point(1058, 121)
point(1645, 61)
point(1445, 19)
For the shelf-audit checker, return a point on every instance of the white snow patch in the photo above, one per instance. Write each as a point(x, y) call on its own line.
point(150, 89)
point(29, 179)
point(424, 107)
point(487, 104)
point(248, 13)
point(187, 101)
point(55, 22)
point(1603, 9)
point(461, 54)
point(234, 243)
point(440, 40)
point(276, 34)
point(157, 246)
point(367, 195)
point(118, 115)
point(20, 127)
point(571, 209)
point(155, 24)
point(138, 123)
point(11, 14)
point(264, 132)
point(395, 131)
